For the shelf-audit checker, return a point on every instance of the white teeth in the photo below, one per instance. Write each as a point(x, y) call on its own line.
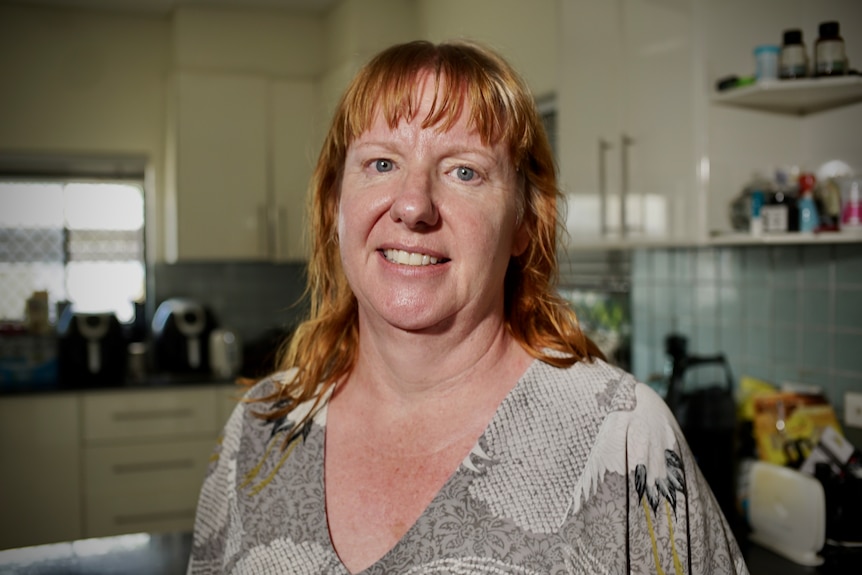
point(409, 258)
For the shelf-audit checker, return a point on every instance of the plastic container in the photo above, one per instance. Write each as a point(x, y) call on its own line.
point(809, 215)
point(793, 59)
point(829, 56)
point(766, 60)
point(851, 203)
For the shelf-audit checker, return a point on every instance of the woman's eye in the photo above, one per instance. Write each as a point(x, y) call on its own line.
point(383, 165)
point(465, 174)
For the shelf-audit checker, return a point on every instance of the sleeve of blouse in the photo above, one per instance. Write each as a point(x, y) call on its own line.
point(674, 522)
point(210, 540)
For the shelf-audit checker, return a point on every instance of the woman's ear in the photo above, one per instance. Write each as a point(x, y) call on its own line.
point(520, 240)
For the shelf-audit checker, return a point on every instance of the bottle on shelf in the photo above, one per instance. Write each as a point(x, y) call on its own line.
point(793, 59)
point(829, 56)
point(809, 215)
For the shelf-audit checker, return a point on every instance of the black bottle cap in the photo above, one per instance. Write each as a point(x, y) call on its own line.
point(828, 29)
point(792, 37)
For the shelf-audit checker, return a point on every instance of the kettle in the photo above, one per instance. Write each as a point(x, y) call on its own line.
point(225, 352)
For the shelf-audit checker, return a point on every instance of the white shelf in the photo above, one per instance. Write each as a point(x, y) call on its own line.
point(741, 239)
point(798, 97)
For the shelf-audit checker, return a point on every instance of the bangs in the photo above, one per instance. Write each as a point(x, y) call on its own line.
point(462, 78)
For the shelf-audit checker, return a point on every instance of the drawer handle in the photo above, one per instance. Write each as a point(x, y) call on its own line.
point(151, 466)
point(154, 517)
point(153, 414)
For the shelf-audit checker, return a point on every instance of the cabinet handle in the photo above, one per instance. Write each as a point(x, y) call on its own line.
point(627, 141)
point(604, 146)
point(179, 514)
point(179, 413)
point(150, 466)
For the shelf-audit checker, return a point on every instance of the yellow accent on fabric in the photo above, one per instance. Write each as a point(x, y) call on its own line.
point(677, 564)
point(658, 568)
point(252, 473)
point(257, 489)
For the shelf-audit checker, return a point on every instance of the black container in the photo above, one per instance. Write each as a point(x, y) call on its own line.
point(91, 350)
point(707, 417)
point(180, 331)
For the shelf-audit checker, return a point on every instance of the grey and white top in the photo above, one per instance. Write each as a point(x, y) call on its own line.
point(581, 470)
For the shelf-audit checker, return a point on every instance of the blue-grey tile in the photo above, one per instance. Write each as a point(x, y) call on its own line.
point(664, 300)
point(847, 352)
point(661, 263)
point(683, 300)
point(816, 265)
point(759, 340)
point(848, 264)
point(641, 264)
point(706, 265)
point(756, 303)
point(815, 307)
point(706, 302)
point(705, 339)
point(848, 308)
point(785, 306)
point(785, 266)
point(815, 352)
point(683, 264)
point(758, 369)
point(732, 343)
point(786, 373)
point(785, 345)
point(730, 303)
point(642, 296)
point(756, 270)
point(730, 264)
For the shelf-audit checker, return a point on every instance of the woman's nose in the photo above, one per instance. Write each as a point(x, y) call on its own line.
point(414, 205)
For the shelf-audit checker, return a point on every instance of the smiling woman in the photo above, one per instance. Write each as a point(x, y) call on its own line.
point(441, 410)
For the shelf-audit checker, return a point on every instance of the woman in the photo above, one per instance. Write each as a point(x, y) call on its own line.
point(440, 411)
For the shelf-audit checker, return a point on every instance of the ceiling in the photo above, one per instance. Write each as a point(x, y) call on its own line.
point(167, 6)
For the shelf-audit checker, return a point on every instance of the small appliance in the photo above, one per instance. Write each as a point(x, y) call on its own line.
point(787, 512)
point(181, 329)
point(225, 353)
point(91, 349)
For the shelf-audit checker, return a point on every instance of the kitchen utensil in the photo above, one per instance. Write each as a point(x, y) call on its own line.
point(91, 349)
point(787, 512)
point(225, 352)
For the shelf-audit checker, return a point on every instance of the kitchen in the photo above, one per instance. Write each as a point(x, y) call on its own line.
point(95, 84)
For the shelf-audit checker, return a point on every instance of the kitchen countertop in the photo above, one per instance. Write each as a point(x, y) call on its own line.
point(167, 554)
point(156, 380)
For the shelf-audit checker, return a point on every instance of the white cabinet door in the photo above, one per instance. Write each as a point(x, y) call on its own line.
point(658, 152)
point(144, 488)
point(590, 95)
point(627, 121)
point(40, 470)
point(221, 167)
point(294, 154)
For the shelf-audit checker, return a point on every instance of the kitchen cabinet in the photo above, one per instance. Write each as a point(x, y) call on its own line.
point(145, 456)
point(40, 470)
point(240, 164)
point(627, 130)
point(106, 462)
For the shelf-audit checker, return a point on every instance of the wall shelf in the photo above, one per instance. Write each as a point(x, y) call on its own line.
point(743, 239)
point(795, 97)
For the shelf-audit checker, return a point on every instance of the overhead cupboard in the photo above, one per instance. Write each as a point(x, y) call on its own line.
point(650, 153)
point(239, 162)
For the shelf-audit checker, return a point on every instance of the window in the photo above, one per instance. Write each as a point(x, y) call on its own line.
point(82, 241)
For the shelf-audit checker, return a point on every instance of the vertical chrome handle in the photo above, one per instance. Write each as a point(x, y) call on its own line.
point(624, 184)
point(604, 146)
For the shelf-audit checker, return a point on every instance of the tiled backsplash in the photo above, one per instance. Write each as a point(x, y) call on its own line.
point(250, 298)
point(779, 313)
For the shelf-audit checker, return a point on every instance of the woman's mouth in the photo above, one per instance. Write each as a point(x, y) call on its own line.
point(411, 258)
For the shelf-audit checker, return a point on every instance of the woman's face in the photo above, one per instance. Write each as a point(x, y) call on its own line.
point(427, 224)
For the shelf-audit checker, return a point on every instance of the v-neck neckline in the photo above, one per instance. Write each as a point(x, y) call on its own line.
point(444, 487)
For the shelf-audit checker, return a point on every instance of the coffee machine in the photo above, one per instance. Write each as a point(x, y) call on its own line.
point(91, 349)
point(181, 332)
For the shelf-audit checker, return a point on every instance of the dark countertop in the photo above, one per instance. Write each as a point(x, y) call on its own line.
point(151, 381)
point(167, 554)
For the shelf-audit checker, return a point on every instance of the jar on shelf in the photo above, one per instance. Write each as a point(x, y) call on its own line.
point(793, 59)
point(829, 56)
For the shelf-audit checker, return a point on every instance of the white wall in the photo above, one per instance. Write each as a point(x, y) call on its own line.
point(523, 32)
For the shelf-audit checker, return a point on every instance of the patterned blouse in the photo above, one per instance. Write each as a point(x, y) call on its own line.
point(581, 470)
